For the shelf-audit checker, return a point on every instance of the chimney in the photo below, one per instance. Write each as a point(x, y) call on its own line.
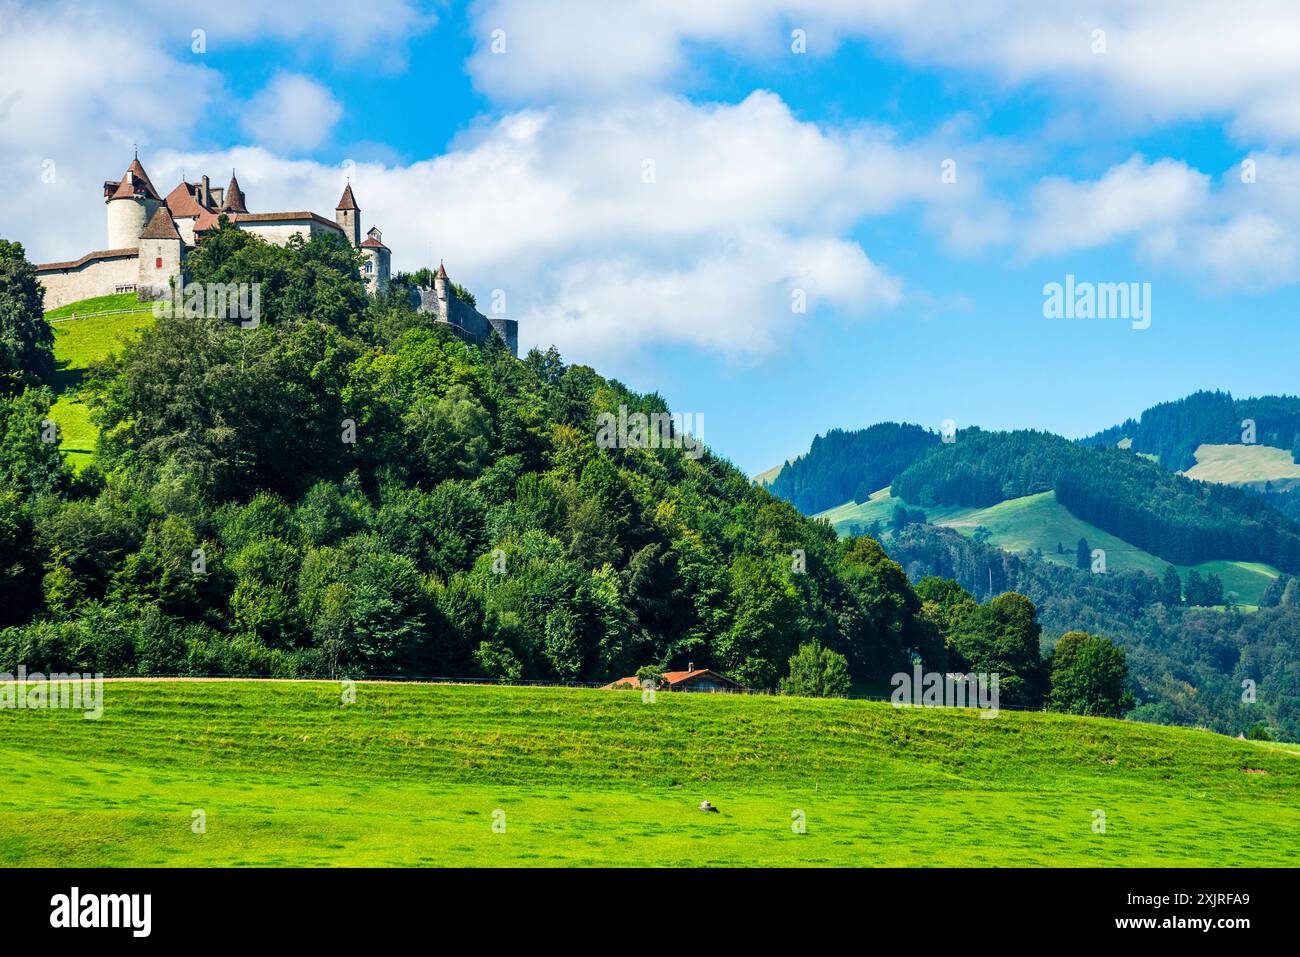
point(205, 192)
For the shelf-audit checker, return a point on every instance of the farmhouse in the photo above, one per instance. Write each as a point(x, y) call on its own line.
point(692, 679)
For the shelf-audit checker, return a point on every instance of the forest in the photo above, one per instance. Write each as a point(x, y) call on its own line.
point(1178, 519)
point(1172, 431)
point(850, 465)
point(1186, 664)
point(350, 489)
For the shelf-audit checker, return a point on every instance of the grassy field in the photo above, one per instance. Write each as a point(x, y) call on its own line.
point(77, 344)
point(118, 300)
point(1039, 522)
point(1245, 465)
point(286, 774)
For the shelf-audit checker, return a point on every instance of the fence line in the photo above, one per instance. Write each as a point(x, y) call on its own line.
point(92, 315)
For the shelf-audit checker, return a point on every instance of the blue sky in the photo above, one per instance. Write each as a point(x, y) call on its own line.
point(1113, 156)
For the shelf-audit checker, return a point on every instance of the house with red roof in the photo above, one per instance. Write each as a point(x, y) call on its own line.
point(692, 679)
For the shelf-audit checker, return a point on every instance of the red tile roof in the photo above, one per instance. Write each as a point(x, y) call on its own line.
point(135, 182)
point(235, 201)
point(183, 201)
point(162, 226)
point(348, 201)
point(123, 253)
point(672, 678)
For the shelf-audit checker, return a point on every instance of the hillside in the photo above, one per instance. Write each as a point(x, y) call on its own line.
point(351, 487)
point(1172, 432)
point(1253, 465)
point(842, 465)
point(765, 478)
point(1038, 523)
point(597, 778)
point(1179, 520)
point(86, 332)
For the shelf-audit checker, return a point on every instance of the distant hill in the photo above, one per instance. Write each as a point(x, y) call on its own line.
point(1120, 491)
point(1179, 520)
point(1039, 524)
point(1173, 431)
point(766, 478)
point(842, 465)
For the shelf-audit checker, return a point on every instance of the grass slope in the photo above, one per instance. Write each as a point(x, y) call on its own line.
point(1040, 522)
point(416, 775)
point(77, 344)
point(1245, 465)
point(82, 307)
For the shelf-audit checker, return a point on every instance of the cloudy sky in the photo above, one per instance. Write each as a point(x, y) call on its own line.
point(785, 215)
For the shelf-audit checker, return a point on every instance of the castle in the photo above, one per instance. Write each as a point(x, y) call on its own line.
point(150, 237)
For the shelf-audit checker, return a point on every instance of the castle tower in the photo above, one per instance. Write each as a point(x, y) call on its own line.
point(131, 204)
point(234, 199)
point(440, 292)
point(160, 255)
point(348, 215)
point(376, 266)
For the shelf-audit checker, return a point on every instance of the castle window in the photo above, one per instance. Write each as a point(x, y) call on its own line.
point(157, 263)
point(368, 267)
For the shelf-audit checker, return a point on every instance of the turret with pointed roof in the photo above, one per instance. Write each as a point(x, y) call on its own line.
point(131, 204)
point(234, 201)
point(348, 215)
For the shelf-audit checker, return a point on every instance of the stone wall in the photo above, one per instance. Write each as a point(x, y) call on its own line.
point(280, 233)
point(469, 322)
point(94, 276)
point(160, 263)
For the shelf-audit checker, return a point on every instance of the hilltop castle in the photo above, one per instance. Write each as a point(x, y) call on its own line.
point(150, 237)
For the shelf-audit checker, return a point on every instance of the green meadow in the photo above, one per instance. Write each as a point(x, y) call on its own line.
point(1246, 465)
point(287, 773)
point(79, 342)
point(1040, 522)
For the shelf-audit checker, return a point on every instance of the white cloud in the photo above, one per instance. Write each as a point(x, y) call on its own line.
point(1232, 233)
point(737, 300)
point(1163, 59)
point(380, 27)
point(80, 92)
point(1131, 199)
point(1250, 251)
point(292, 113)
point(746, 205)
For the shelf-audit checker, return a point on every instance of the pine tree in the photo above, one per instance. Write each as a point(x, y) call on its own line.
point(1171, 587)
